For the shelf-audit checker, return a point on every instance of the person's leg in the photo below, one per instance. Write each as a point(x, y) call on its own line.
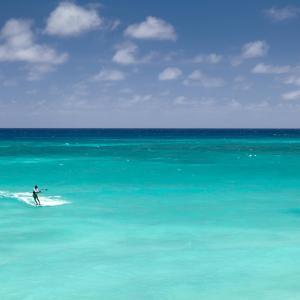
point(35, 200)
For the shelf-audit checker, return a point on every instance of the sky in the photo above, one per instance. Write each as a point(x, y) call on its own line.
point(150, 64)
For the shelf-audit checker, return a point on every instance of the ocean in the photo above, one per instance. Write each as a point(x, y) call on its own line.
point(182, 214)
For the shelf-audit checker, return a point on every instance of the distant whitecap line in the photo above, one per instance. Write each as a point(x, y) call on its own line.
point(26, 197)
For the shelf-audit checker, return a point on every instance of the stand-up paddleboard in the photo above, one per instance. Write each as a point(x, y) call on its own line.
point(27, 198)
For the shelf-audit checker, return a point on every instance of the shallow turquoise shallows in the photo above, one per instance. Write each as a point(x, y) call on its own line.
point(150, 214)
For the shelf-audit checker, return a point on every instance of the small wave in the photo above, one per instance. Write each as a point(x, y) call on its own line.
point(26, 197)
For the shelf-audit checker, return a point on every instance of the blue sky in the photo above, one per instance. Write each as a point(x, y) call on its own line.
point(153, 63)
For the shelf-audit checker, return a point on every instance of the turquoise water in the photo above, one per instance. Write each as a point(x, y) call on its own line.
point(161, 214)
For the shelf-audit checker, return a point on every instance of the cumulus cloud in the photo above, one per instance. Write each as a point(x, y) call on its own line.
point(293, 95)
point(269, 69)
point(152, 28)
point(211, 58)
point(199, 78)
point(109, 75)
point(127, 54)
point(283, 14)
point(18, 44)
point(252, 50)
point(69, 19)
point(170, 74)
point(295, 80)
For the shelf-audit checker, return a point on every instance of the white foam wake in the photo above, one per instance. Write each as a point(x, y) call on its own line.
point(26, 197)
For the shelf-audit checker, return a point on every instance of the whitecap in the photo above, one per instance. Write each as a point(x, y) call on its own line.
point(26, 197)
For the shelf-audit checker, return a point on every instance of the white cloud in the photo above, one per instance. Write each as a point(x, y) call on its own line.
point(199, 78)
point(234, 104)
point(114, 24)
point(152, 28)
point(252, 50)
point(135, 100)
point(180, 100)
point(294, 95)
point(19, 45)
point(202, 102)
point(109, 75)
point(269, 69)
point(211, 58)
point(283, 14)
point(126, 54)
point(241, 83)
point(170, 74)
point(141, 98)
point(295, 80)
point(69, 19)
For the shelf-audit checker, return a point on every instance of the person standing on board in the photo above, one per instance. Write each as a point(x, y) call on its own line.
point(35, 196)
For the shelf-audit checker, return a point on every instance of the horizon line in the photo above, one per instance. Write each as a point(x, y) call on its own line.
point(152, 128)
